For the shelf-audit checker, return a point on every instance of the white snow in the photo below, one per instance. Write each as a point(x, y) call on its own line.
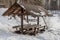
point(42, 13)
point(35, 12)
point(53, 33)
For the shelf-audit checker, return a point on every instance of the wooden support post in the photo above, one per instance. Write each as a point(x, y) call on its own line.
point(37, 20)
point(45, 22)
point(27, 18)
point(22, 11)
point(22, 24)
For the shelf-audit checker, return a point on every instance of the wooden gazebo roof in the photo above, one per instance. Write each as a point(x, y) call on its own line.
point(28, 9)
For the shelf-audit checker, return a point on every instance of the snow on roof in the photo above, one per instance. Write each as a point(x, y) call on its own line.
point(42, 13)
point(22, 6)
point(35, 8)
point(35, 13)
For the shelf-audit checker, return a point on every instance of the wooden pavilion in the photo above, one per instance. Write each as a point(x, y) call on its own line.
point(25, 9)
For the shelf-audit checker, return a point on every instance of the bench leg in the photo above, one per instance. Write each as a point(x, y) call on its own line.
point(34, 30)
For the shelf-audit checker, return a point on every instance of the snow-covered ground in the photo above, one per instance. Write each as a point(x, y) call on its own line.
point(53, 33)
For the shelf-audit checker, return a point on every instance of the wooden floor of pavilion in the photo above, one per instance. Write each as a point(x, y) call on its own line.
point(29, 29)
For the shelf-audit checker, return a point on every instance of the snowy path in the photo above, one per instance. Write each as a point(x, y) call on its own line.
point(53, 33)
